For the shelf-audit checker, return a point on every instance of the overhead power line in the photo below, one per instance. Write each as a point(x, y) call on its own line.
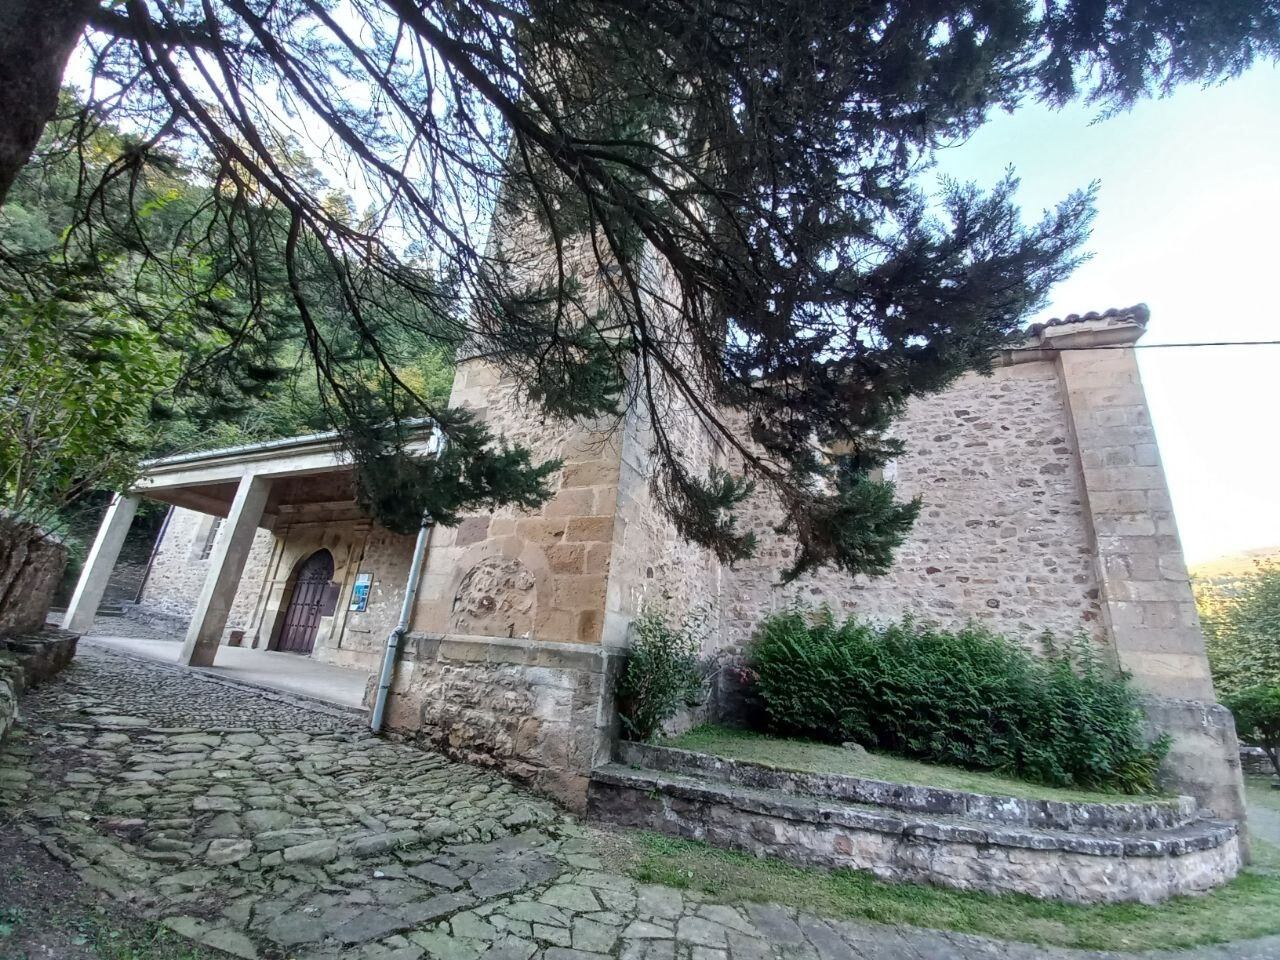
point(1162, 346)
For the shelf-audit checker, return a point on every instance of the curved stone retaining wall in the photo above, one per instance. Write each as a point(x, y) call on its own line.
point(1015, 811)
point(1074, 852)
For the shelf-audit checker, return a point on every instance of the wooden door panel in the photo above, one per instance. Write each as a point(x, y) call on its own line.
point(306, 604)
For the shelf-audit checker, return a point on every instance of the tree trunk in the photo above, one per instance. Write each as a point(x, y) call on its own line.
point(36, 39)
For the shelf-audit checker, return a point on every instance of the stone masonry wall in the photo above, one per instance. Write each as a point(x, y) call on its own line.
point(1145, 590)
point(1002, 534)
point(348, 639)
point(361, 636)
point(652, 565)
point(540, 712)
point(178, 572)
point(31, 565)
point(541, 573)
point(1044, 506)
point(245, 605)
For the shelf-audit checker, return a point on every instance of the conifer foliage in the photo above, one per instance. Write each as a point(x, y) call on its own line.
point(709, 207)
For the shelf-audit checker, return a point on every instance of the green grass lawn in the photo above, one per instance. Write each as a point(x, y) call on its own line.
point(1264, 823)
point(826, 758)
point(1258, 792)
point(1246, 908)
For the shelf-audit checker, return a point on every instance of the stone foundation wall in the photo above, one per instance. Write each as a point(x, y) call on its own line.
point(31, 565)
point(539, 712)
point(26, 660)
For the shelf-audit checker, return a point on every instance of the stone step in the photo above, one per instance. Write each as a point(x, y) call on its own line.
point(1119, 817)
point(105, 609)
point(1075, 865)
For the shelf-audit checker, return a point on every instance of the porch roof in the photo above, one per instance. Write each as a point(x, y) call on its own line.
point(304, 470)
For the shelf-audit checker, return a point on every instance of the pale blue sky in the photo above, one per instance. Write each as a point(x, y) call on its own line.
point(1188, 223)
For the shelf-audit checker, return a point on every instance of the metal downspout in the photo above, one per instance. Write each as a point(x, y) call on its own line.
point(393, 639)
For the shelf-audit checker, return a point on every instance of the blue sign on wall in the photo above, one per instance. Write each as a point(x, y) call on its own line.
point(360, 592)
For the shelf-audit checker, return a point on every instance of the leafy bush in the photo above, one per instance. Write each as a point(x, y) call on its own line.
point(969, 698)
point(662, 673)
point(1241, 619)
point(1257, 711)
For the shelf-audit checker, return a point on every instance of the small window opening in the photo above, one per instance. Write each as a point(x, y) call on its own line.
point(206, 548)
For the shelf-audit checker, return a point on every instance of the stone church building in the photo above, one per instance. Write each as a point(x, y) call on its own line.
point(1044, 507)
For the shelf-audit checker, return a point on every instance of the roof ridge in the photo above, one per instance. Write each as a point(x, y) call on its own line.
point(1139, 313)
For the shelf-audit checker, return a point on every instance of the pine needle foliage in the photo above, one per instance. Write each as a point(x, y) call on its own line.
point(727, 195)
point(969, 698)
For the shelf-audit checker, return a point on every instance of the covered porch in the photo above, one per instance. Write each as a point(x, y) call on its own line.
point(263, 669)
point(288, 504)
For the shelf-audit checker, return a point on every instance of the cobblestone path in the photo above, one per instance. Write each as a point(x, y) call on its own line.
point(267, 828)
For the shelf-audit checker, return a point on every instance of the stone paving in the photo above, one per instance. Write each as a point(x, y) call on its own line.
point(268, 828)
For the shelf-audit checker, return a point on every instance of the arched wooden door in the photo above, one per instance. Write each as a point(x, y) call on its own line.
point(306, 604)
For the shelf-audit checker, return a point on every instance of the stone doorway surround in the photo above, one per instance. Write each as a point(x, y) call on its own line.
point(312, 596)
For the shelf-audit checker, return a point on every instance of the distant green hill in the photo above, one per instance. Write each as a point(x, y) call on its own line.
point(1221, 574)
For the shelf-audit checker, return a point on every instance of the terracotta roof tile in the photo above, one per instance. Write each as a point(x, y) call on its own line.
point(1139, 313)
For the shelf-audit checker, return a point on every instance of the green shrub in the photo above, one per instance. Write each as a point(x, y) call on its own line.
point(1257, 711)
point(661, 674)
point(1241, 618)
point(970, 698)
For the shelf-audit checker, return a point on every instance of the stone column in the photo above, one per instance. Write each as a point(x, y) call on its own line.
point(99, 564)
point(1145, 588)
point(226, 564)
